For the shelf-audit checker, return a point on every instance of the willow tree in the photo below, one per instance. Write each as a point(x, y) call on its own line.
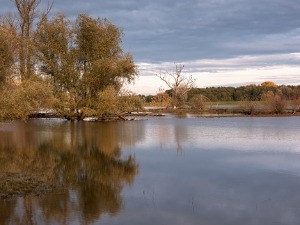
point(83, 57)
point(100, 56)
point(56, 52)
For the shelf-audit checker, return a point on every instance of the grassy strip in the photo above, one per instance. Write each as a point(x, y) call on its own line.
point(21, 184)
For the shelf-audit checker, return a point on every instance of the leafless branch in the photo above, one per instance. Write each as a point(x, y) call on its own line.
point(177, 81)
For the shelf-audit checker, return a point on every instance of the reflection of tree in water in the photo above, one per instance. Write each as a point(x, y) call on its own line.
point(85, 159)
point(180, 136)
point(6, 211)
point(96, 181)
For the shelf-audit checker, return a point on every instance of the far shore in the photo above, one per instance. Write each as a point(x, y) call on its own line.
point(180, 112)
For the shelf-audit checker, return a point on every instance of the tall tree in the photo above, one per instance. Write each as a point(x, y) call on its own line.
point(102, 61)
point(57, 54)
point(27, 14)
point(83, 57)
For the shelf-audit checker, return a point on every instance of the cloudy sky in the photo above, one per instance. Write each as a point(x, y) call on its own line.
point(220, 42)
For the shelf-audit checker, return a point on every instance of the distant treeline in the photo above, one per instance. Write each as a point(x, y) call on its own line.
point(245, 93)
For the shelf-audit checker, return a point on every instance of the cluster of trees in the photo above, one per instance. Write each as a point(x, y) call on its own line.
point(60, 63)
point(246, 93)
point(182, 93)
point(274, 98)
point(222, 94)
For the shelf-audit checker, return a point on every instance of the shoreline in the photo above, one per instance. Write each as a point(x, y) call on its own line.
point(162, 112)
point(222, 113)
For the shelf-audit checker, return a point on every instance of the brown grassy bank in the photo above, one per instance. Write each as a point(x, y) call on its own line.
point(21, 184)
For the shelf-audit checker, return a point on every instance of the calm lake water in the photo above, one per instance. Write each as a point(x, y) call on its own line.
point(159, 171)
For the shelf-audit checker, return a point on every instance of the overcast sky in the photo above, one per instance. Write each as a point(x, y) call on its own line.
point(220, 42)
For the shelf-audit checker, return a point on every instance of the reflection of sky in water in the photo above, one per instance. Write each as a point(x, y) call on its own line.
point(228, 171)
point(242, 134)
point(212, 188)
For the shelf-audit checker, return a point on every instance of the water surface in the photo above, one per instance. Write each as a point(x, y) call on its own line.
point(157, 171)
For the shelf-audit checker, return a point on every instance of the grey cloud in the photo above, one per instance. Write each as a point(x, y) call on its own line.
point(177, 30)
point(174, 30)
point(209, 31)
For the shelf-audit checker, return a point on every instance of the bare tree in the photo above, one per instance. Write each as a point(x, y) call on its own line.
point(179, 83)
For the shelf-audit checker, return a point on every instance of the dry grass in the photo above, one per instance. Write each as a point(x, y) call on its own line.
point(21, 184)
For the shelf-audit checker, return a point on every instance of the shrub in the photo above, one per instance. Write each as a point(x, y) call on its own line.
point(198, 102)
point(110, 102)
point(249, 108)
point(295, 105)
point(275, 102)
point(130, 103)
point(19, 101)
point(161, 99)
